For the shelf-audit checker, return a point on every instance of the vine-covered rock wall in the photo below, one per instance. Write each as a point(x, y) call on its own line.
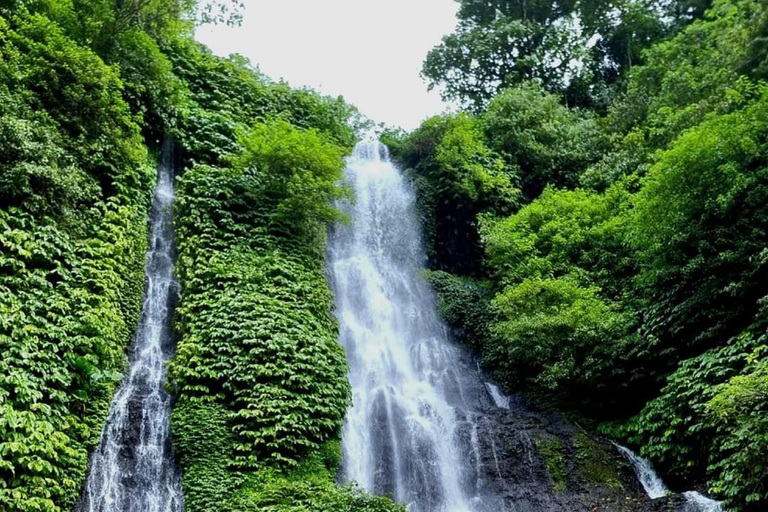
point(75, 179)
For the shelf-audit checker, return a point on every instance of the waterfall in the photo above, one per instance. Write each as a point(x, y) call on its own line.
point(656, 488)
point(499, 398)
point(652, 484)
point(409, 433)
point(132, 469)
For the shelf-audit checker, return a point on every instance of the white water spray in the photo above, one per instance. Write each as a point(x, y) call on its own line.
point(132, 469)
point(400, 437)
point(652, 484)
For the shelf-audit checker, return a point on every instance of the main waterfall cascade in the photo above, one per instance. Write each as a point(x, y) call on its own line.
point(132, 469)
point(411, 432)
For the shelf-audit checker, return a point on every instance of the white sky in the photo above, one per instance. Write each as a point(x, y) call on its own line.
point(369, 51)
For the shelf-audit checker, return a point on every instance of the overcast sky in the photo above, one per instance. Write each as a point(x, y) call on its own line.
point(369, 51)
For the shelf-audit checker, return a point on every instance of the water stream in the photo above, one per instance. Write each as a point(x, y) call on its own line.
point(412, 432)
point(132, 470)
point(655, 488)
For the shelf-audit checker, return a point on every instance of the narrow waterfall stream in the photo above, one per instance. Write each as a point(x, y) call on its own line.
point(410, 433)
point(656, 488)
point(132, 469)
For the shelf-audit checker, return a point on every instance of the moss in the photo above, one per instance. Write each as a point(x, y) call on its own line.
point(551, 450)
point(594, 464)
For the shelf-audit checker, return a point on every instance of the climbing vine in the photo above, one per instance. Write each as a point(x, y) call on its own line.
point(74, 190)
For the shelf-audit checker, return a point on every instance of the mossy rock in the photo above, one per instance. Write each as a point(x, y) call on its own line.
point(594, 463)
point(550, 448)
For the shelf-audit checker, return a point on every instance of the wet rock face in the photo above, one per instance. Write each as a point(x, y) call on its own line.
point(525, 461)
point(674, 503)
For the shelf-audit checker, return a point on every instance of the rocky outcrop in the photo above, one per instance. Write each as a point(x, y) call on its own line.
point(527, 461)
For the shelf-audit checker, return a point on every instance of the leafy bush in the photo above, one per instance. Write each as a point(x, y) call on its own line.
point(555, 332)
point(700, 228)
point(739, 411)
point(260, 376)
point(464, 303)
point(258, 353)
point(308, 488)
point(708, 421)
point(227, 95)
point(563, 232)
point(456, 177)
point(547, 142)
point(689, 76)
point(641, 297)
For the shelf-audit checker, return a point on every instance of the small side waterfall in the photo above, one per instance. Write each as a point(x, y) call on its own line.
point(411, 433)
point(652, 484)
point(501, 400)
point(655, 487)
point(132, 469)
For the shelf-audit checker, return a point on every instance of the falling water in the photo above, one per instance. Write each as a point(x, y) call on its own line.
point(652, 484)
point(701, 503)
point(132, 469)
point(656, 488)
point(499, 398)
point(401, 437)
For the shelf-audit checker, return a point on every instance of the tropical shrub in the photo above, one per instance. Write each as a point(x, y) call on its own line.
point(456, 177)
point(258, 356)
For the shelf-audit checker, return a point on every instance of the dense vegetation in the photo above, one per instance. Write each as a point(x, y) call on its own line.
point(88, 90)
point(75, 179)
point(598, 225)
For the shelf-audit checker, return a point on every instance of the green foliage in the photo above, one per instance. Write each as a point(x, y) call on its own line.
point(74, 184)
point(680, 430)
point(69, 308)
point(281, 493)
point(151, 88)
point(266, 341)
point(229, 95)
point(700, 225)
point(74, 187)
point(68, 85)
point(577, 233)
point(685, 79)
point(561, 321)
point(100, 24)
point(645, 291)
point(580, 49)
point(556, 333)
point(464, 303)
point(295, 171)
point(202, 441)
point(739, 411)
point(456, 177)
point(549, 143)
point(221, 11)
point(688, 76)
point(258, 349)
